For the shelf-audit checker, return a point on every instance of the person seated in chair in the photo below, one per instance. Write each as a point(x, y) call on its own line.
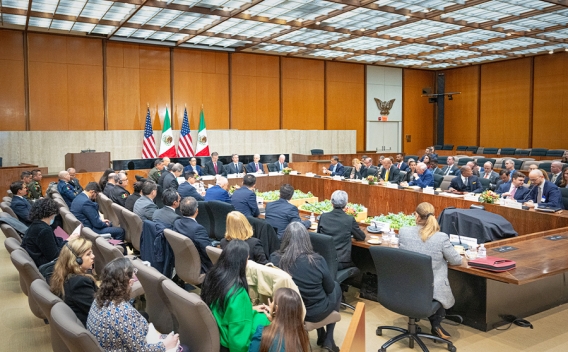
point(450, 168)
point(219, 191)
point(34, 187)
point(503, 178)
point(74, 181)
point(281, 163)
point(64, 188)
point(368, 169)
point(214, 166)
point(514, 189)
point(488, 173)
point(145, 206)
point(239, 228)
point(86, 210)
point(20, 205)
point(555, 175)
point(400, 164)
point(280, 213)
point(169, 179)
point(255, 166)
point(167, 215)
point(244, 198)
point(466, 182)
point(193, 167)
point(235, 166)
point(543, 192)
point(422, 177)
point(119, 194)
point(426, 238)
point(356, 170)
point(335, 168)
point(156, 171)
point(187, 189)
point(390, 173)
point(110, 184)
point(131, 200)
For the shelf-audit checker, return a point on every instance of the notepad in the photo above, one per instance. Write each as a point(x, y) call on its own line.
point(59, 232)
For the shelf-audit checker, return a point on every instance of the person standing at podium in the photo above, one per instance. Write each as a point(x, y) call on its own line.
point(119, 193)
point(156, 172)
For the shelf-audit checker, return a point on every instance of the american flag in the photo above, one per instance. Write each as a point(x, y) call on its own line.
point(149, 144)
point(185, 145)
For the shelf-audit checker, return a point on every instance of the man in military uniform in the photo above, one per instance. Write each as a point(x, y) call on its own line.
point(156, 172)
point(35, 186)
point(74, 181)
point(118, 193)
point(26, 178)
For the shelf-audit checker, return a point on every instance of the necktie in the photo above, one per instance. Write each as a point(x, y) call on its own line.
point(215, 166)
point(539, 198)
point(554, 178)
point(448, 169)
point(256, 167)
point(281, 168)
point(387, 175)
point(486, 175)
point(512, 195)
point(237, 168)
point(467, 183)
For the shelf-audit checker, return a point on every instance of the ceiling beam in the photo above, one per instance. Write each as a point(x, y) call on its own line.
point(28, 15)
point(127, 18)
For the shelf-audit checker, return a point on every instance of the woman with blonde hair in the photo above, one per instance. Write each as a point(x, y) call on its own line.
point(72, 280)
point(238, 228)
point(356, 171)
point(426, 238)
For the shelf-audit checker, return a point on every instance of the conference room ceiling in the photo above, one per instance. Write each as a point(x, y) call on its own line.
point(430, 34)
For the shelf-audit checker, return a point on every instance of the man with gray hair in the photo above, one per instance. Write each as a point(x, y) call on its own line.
point(488, 173)
point(281, 163)
point(74, 181)
point(255, 166)
point(556, 173)
point(543, 192)
point(423, 177)
point(219, 191)
point(64, 188)
point(169, 178)
point(188, 226)
point(110, 185)
point(119, 193)
point(340, 226)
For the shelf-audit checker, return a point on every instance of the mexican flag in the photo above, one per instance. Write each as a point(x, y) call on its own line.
point(202, 142)
point(167, 145)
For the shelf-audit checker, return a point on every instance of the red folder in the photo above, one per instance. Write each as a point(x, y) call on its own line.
point(495, 264)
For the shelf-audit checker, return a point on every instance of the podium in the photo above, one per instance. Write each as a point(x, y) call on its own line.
point(87, 162)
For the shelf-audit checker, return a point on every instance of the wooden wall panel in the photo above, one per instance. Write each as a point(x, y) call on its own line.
point(505, 103)
point(66, 83)
point(201, 78)
point(345, 100)
point(461, 113)
point(417, 113)
point(255, 92)
point(302, 94)
point(12, 94)
point(154, 80)
point(550, 102)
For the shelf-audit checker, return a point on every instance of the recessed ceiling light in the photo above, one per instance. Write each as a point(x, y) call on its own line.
point(246, 12)
point(300, 20)
point(426, 10)
point(318, 23)
point(226, 9)
point(551, 52)
point(407, 16)
point(508, 34)
point(363, 29)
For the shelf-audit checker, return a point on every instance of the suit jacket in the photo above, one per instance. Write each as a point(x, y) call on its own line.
point(190, 168)
point(424, 180)
point(244, 200)
point(233, 169)
point(441, 250)
point(209, 169)
point(119, 195)
point(558, 179)
point(166, 215)
point(277, 164)
point(197, 233)
point(79, 295)
point(168, 180)
point(131, 200)
point(520, 194)
point(76, 185)
point(256, 251)
point(550, 193)
point(186, 189)
point(251, 168)
point(402, 166)
point(437, 171)
point(145, 208)
point(408, 177)
point(21, 208)
point(339, 169)
point(453, 170)
point(356, 174)
point(67, 191)
point(369, 171)
point(340, 226)
point(217, 193)
point(473, 184)
point(280, 213)
point(87, 212)
point(493, 177)
point(107, 191)
point(394, 174)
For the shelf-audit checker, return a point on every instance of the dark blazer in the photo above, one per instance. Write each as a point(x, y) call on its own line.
point(244, 200)
point(190, 168)
point(168, 180)
point(119, 195)
point(474, 185)
point(256, 251)
point(87, 212)
point(21, 208)
point(165, 215)
point(79, 295)
point(493, 176)
point(107, 191)
point(235, 170)
point(277, 164)
point(453, 170)
point(558, 179)
point(41, 243)
point(402, 166)
point(408, 177)
point(67, 191)
point(280, 213)
point(369, 171)
point(341, 226)
point(520, 194)
point(76, 185)
point(217, 193)
point(131, 200)
point(209, 169)
point(394, 174)
point(186, 189)
point(197, 233)
point(550, 193)
point(424, 180)
point(251, 168)
point(339, 169)
point(356, 174)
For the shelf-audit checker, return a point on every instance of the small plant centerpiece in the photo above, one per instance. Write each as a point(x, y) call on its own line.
point(372, 180)
point(489, 197)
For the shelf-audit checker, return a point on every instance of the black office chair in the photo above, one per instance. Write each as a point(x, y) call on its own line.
point(347, 172)
point(448, 147)
point(158, 199)
point(316, 151)
point(204, 218)
point(490, 150)
point(438, 180)
point(405, 286)
point(481, 161)
point(272, 167)
point(438, 147)
point(442, 160)
point(523, 152)
point(463, 161)
point(508, 151)
point(219, 212)
point(324, 246)
point(555, 152)
point(486, 183)
point(415, 157)
point(472, 148)
point(544, 166)
point(538, 151)
point(564, 192)
point(461, 148)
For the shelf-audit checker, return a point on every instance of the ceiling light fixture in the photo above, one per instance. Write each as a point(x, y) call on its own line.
point(551, 52)
point(318, 23)
point(300, 20)
point(246, 12)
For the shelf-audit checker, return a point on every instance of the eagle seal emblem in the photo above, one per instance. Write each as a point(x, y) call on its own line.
point(384, 107)
point(167, 139)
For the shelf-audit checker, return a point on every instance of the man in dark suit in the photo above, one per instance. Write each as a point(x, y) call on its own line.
point(66, 190)
point(187, 189)
point(86, 210)
point(515, 188)
point(170, 178)
point(400, 164)
point(255, 166)
point(235, 167)
point(193, 167)
point(488, 173)
point(119, 193)
point(109, 187)
point(426, 153)
point(503, 178)
point(281, 163)
point(219, 191)
point(368, 169)
point(423, 177)
point(390, 172)
point(555, 175)
point(335, 168)
point(167, 215)
point(543, 192)
point(131, 200)
point(74, 181)
point(244, 198)
point(510, 167)
point(466, 182)
point(280, 213)
point(20, 205)
point(214, 166)
point(187, 226)
point(450, 168)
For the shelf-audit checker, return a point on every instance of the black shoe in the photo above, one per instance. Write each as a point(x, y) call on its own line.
point(439, 331)
point(331, 348)
point(321, 337)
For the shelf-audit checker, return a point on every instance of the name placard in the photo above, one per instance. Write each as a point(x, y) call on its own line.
point(293, 172)
point(511, 203)
point(392, 185)
point(428, 190)
point(207, 177)
point(232, 176)
point(470, 241)
point(274, 173)
point(336, 178)
point(310, 174)
point(471, 197)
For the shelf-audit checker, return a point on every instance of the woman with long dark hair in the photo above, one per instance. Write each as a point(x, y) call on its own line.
point(225, 291)
point(319, 291)
point(426, 238)
point(287, 331)
point(104, 178)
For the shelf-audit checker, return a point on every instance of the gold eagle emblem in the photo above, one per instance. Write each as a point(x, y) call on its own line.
point(384, 106)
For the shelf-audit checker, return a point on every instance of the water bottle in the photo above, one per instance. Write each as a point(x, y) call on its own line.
point(392, 238)
point(312, 218)
point(482, 252)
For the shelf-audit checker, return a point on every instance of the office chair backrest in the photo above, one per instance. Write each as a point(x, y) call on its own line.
point(187, 260)
point(490, 150)
point(12, 244)
point(118, 211)
point(108, 251)
point(538, 151)
point(9, 232)
point(405, 281)
point(219, 211)
point(564, 192)
point(555, 152)
point(204, 218)
point(70, 223)
point(316, 151)
point(99, 257)
point(72, 331)
point(438, 180)
point(324, 246)
point(214, 253)
point(6, 208)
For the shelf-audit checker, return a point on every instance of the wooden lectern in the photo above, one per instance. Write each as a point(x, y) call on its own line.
point(87, 162)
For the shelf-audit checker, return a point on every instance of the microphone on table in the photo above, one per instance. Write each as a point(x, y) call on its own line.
point(531, 189)
point(465, 246)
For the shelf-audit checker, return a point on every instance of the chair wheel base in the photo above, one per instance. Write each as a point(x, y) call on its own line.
point(382, 350)
point(380, 333)
point(452, 348)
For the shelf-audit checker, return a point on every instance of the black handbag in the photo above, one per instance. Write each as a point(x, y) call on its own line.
point(47, 269)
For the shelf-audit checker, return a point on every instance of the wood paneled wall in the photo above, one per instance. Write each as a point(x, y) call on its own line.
point(345, 96)
point(12, 93)
point(461, 113)
point(418, 114)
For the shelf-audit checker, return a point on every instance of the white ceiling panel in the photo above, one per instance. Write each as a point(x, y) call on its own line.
point(419, 29)
point(327, 53)
point(311, 36)
point(482, 59)
point(365, 43)
point(16, 4)
point(370, 58)
point(419, 6)
point(14, 19)
point(467, 37)
point(450, 54)
point(410, 62)
point(361, 18)
point(410, 49)
point(278, 48)
point(291, 10)
point(510, 44)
